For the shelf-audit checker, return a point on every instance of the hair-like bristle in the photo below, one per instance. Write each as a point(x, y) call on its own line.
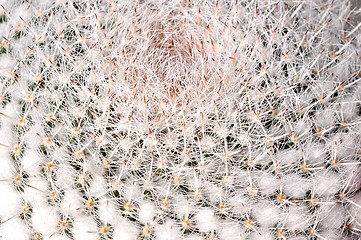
point(180, 119)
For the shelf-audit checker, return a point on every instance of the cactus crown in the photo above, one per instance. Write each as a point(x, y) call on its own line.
point(180, 120)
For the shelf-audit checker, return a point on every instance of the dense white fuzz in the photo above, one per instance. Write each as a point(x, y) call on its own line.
point(296, 186)
point(10, 201)
point(268, 183)
point(267, 214)
point(206, 220)
point(125, 230)
point(330, 214)
point(167, 231)
point(15, 229)
point(45, 219)
point(36, 190)
point(58, 236)
point(7, 168)
point(180, 119)
point(65, 176)
point(147, 212)
point(7, 64)
point(315, 153)
point(193, 237)
point(230, 230)
point(71, 203)
point(260, 236)
point(97, 185)
point(325, 118)
point(31, 162)
point(354, 205)
point(85, 227)
point(297, 218)
point(108, 211)
point(327, 184)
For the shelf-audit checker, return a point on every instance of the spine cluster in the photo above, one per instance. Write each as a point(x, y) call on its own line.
point(180, 120)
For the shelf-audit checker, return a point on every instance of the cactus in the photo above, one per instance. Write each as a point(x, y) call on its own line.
point(180, 120)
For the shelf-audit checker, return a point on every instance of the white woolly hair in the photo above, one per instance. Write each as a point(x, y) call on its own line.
point(180, 119)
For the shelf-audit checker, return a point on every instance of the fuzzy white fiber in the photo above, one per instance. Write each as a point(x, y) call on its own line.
point(206, 220)
point(45, 219)
point(180, 119)
point(125, 230)
point(85, 228)
point(10, 202)
point(14, 229)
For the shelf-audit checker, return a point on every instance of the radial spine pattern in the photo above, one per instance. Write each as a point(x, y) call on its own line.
point(180, 119)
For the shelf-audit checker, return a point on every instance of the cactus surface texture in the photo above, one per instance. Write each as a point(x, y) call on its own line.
point(180, 119)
